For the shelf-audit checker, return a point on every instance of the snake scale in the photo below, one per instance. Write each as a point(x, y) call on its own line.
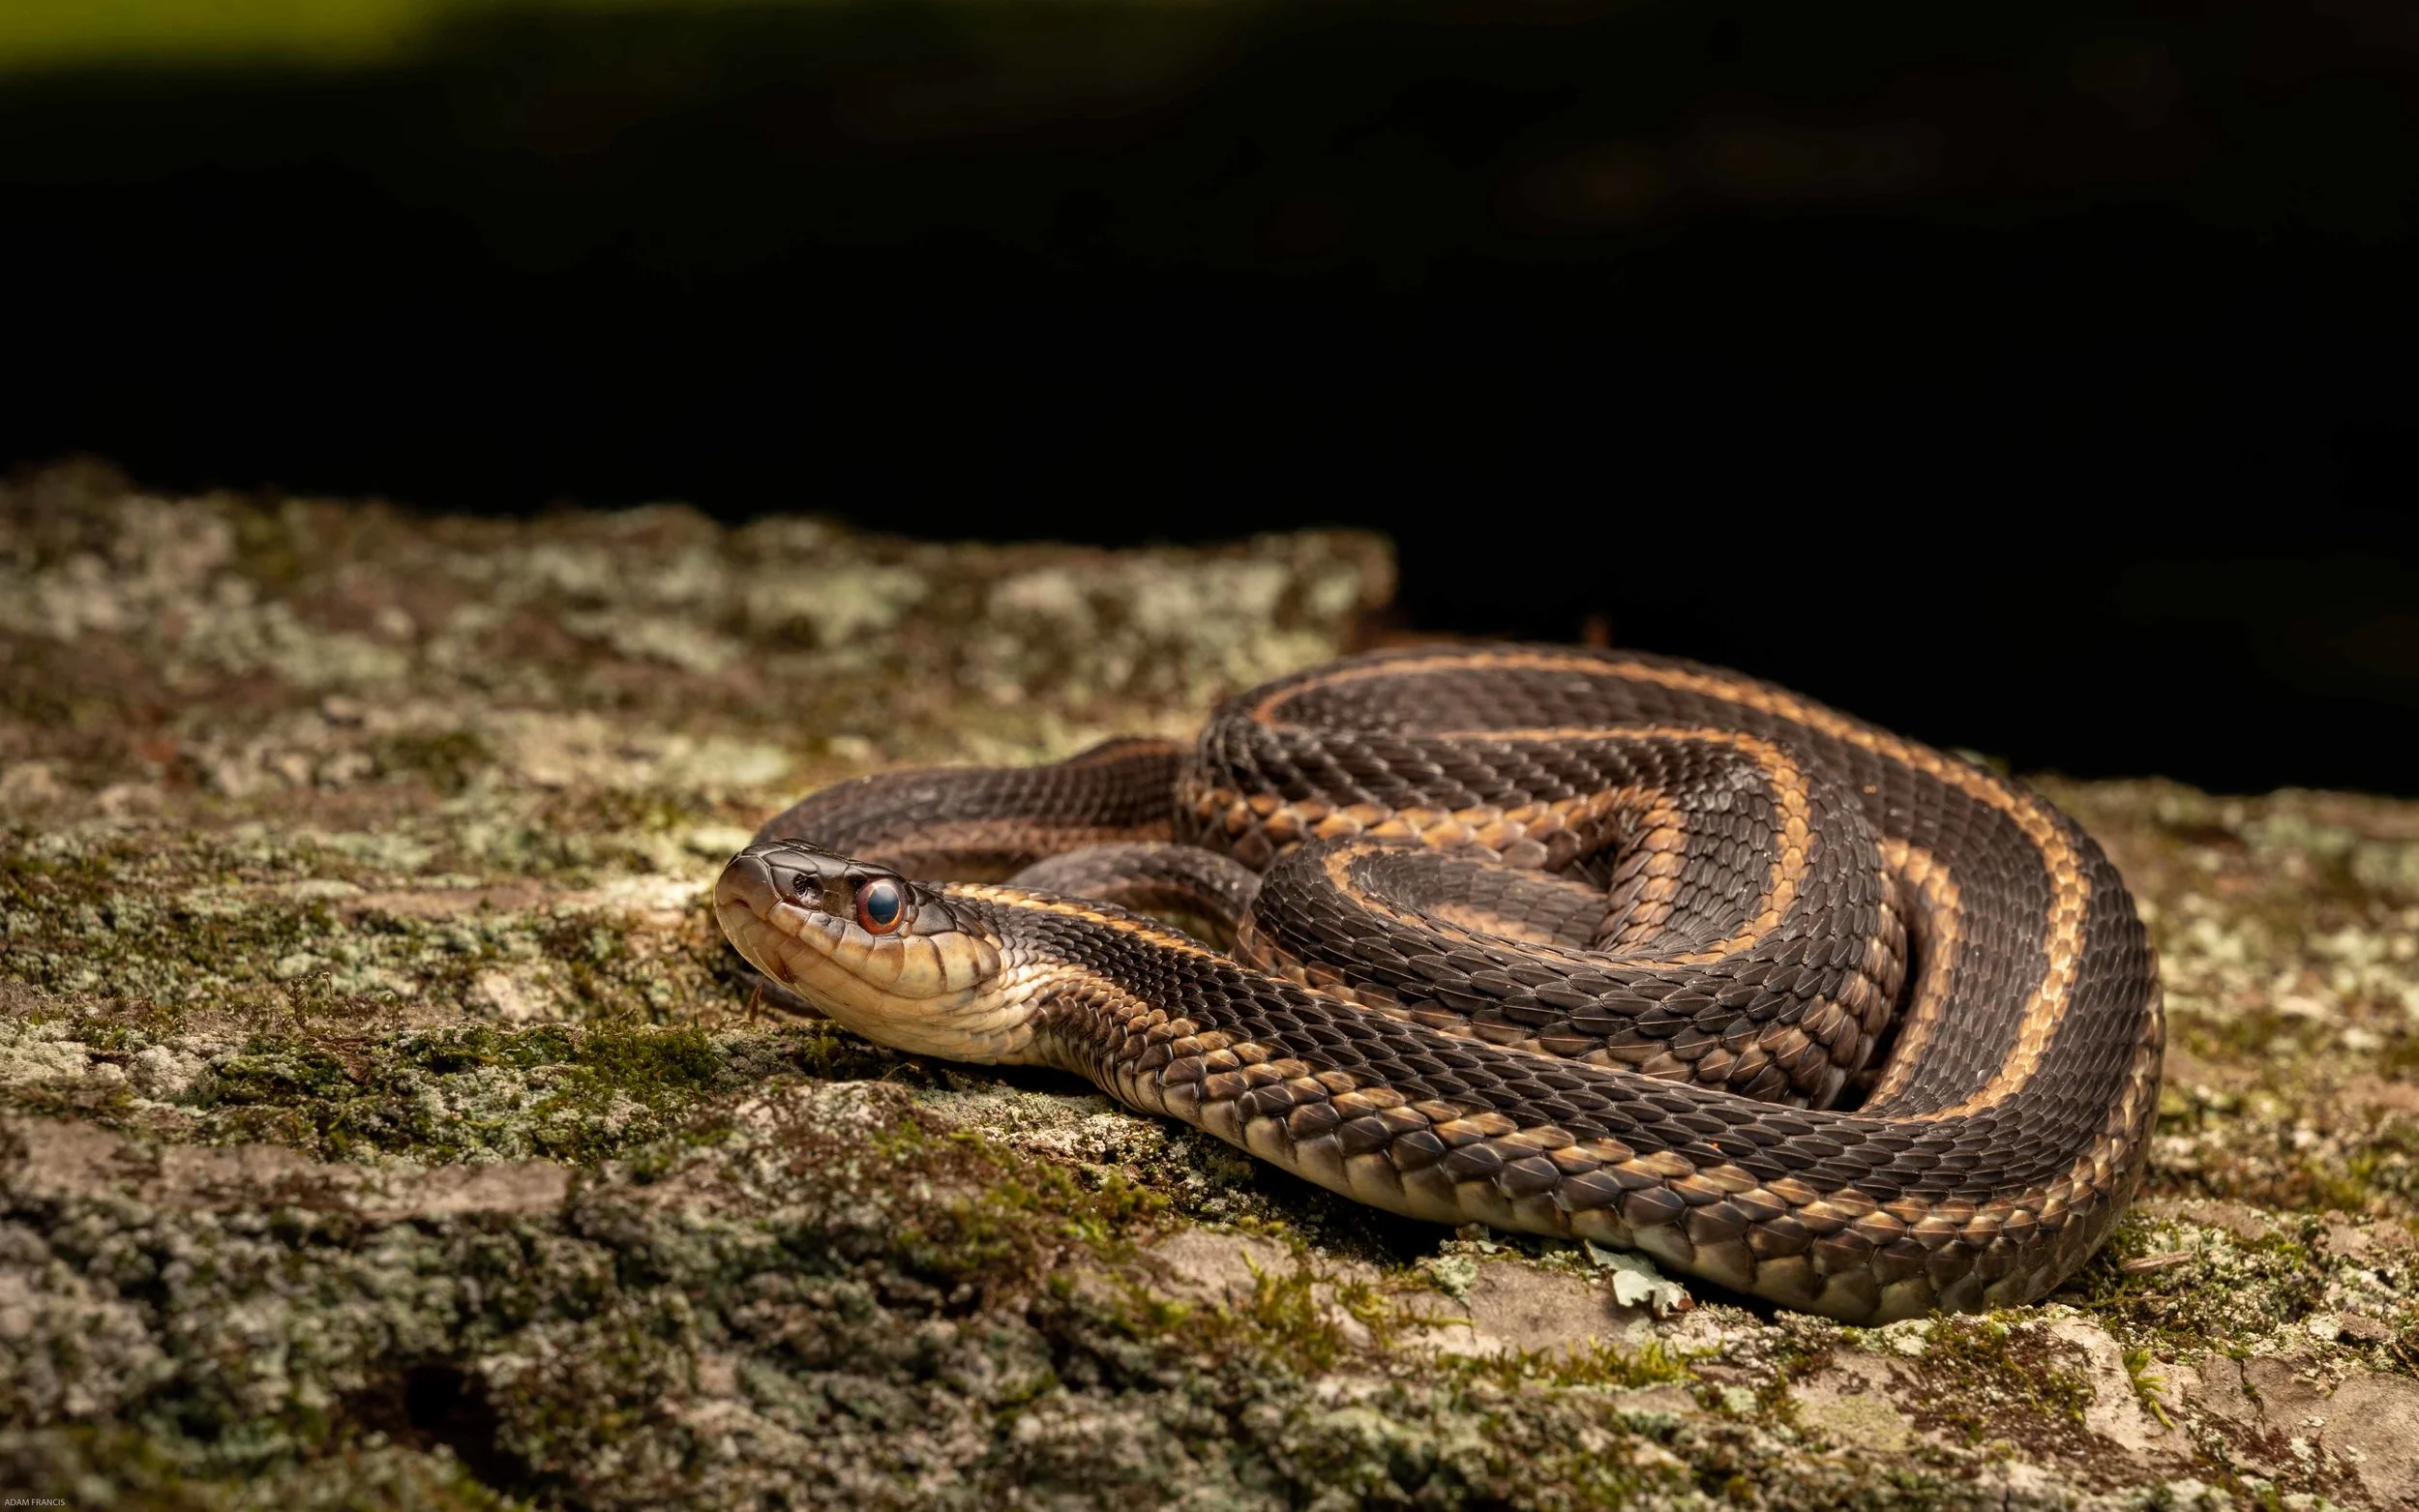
point(1584, 943)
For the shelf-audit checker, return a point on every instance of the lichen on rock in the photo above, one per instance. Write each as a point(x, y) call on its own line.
point(383, 1122)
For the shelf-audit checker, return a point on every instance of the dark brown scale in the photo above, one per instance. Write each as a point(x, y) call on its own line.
point(1552, 1002)
point(984, 823)
point(1201, 892)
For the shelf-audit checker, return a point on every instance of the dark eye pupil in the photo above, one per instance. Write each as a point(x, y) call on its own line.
point(881, 902)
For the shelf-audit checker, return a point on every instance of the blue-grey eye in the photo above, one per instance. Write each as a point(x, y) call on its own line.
point(879, 906)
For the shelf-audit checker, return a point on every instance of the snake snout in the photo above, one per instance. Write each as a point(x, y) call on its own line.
point(776, 871)
point(749, 882)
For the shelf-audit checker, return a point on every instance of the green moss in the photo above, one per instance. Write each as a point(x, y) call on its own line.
point(270, 1072)
point(447, 760)
point(2252, 1033)
point(1992, 1372)
point(2149, 1385)
point(136, 1473)
point(1016, 1209)
point(605, 974)
point(1596, 1364)
point(649, 1063)
point(273, 547)
point(2217, 1287)
point(110, 1105)
point(143, 920)
point(1796, 1347)
point(1285, 1317)
point(828, 1052)
point(564, 1093)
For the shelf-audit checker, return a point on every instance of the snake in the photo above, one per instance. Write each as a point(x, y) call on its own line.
point(1591, 944)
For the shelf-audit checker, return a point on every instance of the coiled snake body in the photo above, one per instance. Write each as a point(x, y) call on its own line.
point(1571, 942)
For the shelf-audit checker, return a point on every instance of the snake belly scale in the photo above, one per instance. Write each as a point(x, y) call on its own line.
point(1571, 943)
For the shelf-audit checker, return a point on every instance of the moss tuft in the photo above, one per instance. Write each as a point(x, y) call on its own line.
point(2001, 1374)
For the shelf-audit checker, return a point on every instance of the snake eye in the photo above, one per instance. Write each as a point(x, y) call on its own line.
point(879, 906)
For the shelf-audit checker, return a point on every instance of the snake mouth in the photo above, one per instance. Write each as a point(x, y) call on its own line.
point(920, 977)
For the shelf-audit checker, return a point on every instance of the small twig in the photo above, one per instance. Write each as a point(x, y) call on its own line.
point(2143, 1266)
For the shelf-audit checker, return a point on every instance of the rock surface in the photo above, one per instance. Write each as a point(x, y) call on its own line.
point(382, 1123)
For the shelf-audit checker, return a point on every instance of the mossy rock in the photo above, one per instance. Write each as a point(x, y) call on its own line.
point(386, 1124)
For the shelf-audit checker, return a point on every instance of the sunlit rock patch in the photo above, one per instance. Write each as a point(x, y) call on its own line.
point(386, 1124)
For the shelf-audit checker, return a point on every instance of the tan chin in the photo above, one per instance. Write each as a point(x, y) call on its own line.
point(909, 995)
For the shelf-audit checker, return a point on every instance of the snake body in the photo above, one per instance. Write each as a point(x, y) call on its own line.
point(1571, 943)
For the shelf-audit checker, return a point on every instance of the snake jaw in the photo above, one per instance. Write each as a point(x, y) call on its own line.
point(933, 986)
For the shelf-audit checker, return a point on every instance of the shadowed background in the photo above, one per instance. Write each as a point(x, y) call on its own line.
point(2031, 379)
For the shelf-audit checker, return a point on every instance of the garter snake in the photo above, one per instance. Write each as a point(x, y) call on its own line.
point(1583, 943)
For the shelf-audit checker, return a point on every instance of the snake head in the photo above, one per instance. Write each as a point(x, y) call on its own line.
point(892, 958)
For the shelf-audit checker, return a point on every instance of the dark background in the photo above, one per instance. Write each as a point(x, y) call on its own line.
point(2035, 379)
